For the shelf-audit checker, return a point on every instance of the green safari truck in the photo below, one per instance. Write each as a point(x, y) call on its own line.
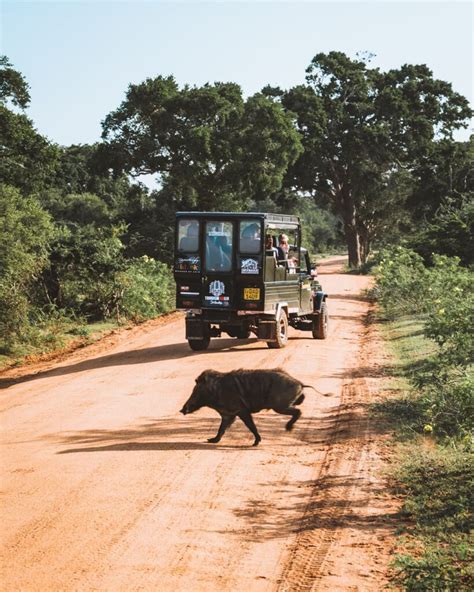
point(232, 277)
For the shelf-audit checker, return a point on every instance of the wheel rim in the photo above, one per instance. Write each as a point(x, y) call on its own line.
point(325, 323)
point(282, 329)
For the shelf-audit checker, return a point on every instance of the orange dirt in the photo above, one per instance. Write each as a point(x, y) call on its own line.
point(105, 486)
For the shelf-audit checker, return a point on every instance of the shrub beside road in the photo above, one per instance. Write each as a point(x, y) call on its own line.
point(428, 314)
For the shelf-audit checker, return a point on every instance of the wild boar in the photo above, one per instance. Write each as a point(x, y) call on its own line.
point(240, 393)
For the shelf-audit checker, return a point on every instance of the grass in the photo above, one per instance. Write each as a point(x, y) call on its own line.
point(435, 551)
point(62, 335)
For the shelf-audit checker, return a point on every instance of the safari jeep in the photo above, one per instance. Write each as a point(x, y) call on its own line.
point(231, 278)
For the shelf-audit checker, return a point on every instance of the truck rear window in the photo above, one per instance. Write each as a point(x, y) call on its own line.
point(219, 246)
point(188, 235)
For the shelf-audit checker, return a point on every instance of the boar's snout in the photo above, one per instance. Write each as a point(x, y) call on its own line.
point(184, 410)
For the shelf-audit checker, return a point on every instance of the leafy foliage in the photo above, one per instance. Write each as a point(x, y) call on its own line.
point(148, 289)
point(444, 399)
point(27, 160)
point(26, 232)
point(206, 144)
point(361, 129)
point(13, 86)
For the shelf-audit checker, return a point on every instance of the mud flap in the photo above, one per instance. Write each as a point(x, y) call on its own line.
point(196, 329)
point(267, 330)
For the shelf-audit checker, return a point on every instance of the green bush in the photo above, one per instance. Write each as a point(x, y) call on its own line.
point(438, 482)
point(147, 289)
point(450, 321)
point(444, 295)
point(401, 280)
point(26, 232)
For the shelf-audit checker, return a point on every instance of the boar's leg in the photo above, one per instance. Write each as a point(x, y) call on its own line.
point(248, 421)
point(225, 423)
point(290, 411)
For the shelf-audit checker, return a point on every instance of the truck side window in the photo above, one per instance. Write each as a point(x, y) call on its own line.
point(250, 236)
point(188, 235)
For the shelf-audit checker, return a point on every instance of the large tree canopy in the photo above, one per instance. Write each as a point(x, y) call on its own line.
point(27, 159)
point(362, 129)
point(209, 147)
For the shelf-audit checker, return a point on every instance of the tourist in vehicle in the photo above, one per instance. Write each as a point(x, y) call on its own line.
point(283, 249)
point(270, 249)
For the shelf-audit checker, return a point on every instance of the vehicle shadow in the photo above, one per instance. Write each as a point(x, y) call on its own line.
point(173, 351)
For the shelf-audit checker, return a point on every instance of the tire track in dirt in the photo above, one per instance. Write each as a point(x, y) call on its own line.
point(313, 543)
point(347, 466)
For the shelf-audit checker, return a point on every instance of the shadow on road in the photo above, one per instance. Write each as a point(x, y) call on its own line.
point(332, 507)
point(191, 433)
point(173, 351)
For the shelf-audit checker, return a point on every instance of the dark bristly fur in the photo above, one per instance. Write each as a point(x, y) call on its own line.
point(240, 393)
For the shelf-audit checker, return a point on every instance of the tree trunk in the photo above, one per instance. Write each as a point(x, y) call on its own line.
point(347, 209)
point(364, 245)
point(353, 245)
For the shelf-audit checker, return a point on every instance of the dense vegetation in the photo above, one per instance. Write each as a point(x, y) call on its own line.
point(434, 415)
point(365, 157)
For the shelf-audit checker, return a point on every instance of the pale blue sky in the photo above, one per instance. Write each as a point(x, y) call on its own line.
point(79, 57)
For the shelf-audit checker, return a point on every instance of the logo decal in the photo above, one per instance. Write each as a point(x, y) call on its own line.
point(216, 288)
point(249, 266)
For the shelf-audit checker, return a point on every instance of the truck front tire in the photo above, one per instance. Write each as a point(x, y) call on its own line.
point(320, 323)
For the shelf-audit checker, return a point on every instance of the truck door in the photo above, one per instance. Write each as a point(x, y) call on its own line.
point(218, 285)
point(188, 264)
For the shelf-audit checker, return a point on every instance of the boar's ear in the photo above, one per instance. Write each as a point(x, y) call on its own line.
point(204, 376)
point(209, 378)
point(201, 377)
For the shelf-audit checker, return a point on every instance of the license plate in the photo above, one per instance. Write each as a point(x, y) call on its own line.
point(251, 293)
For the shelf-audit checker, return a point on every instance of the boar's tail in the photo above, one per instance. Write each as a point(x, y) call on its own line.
point(315, 389)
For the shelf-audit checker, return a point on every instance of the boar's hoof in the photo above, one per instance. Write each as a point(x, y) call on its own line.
point(213, 440)
point(257, 441)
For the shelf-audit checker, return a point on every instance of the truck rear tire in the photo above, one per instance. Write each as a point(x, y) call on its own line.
point(199, 344)
point(320, 323)
point(281, 332)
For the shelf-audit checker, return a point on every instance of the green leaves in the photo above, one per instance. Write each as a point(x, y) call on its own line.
point(13, 86)
point(26, 232)
point(204, 142)
point(361, 129)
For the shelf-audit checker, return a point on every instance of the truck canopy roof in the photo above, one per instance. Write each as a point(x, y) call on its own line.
point(279, 221)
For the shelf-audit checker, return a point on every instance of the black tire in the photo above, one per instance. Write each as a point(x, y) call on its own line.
point(321, 323)
point(199, 344)
point(281, 333)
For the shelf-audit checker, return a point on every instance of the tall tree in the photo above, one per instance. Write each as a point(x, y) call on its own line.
point(445, 173)
point(27, 159)
point(442, 201)
point(209, 148)
point(362, 129)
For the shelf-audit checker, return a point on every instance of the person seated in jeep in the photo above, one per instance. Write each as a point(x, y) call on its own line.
point(283, 249)
point(270, 249)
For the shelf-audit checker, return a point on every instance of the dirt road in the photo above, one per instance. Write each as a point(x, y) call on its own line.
point(105, 486)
